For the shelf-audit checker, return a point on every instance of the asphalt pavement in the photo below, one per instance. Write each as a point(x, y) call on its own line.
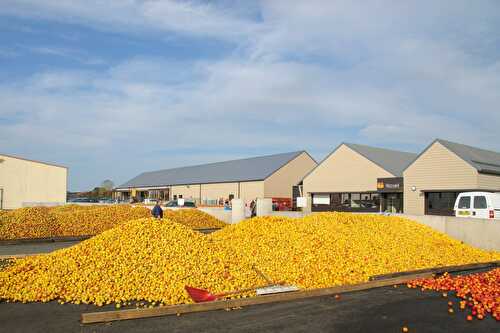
point(385, 309)
point(30, 248)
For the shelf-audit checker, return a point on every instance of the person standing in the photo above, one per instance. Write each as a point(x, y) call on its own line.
point(157, 212)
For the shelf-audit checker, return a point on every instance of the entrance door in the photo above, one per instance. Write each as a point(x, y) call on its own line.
point(393, 202)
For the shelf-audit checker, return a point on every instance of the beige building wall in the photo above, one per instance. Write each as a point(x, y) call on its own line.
point(247, 190)
point(488, 182)
point(251, 190)
point(344, 171)
point(187, 191)
point(279, 184)
point(219, 190)
point(27, 182)
point(436, 169)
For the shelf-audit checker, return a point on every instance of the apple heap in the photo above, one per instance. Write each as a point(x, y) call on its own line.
point(479, 292)
point(151, 260)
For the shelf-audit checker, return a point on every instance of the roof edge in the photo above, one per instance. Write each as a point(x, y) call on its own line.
point(321, 162)
point(298, 153)
point(34, 161)
point(187, 184)
point(440, 141)
point(347, 144)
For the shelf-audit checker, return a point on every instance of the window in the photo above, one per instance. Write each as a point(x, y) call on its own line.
point(346, 199)
point(370, 200)
point(355, 200)
point(321, 199)
point(440, 203)
point(480, 202)
point(464, 203)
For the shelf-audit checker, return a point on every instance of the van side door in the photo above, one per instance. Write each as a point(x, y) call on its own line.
point(464, 206)
point(480, 207)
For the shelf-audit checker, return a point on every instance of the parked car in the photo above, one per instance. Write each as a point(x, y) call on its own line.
point(480, 205)
point(107, 201)
point(85, 200)
point(187, 204)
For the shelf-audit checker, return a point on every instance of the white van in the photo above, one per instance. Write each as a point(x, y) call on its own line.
point(479, 205)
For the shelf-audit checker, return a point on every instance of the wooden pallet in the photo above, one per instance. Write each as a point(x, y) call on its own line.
point(107, 316)
point(376, 282)
point(438, 270)
point(17, 256)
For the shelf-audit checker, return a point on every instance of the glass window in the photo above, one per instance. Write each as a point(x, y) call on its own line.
point(336, 200)
point(480, 202)
point(369, 200)
point(321, 199)
point(464, 203)
point(346, 199)
point(355, 200)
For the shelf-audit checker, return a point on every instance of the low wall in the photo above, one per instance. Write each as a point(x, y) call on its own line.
point(480, 233)
point(220, 213)
point(292, 214)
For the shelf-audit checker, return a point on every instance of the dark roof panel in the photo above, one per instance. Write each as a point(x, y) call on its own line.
point(394, 161)
point(484, 161)
point(248, 169)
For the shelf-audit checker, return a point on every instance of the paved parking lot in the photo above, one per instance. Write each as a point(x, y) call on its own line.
point(29, 248)
point(385, 309)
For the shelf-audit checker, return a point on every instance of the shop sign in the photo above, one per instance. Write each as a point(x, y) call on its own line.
point(394, 184)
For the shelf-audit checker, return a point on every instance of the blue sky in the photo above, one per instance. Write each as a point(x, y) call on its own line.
point(114, 88)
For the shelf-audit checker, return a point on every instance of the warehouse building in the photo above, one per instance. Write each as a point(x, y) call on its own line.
point(25, 182)
point(271, 176)
point(442, 171)
point(357, 178)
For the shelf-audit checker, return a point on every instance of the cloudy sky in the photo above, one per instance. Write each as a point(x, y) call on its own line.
point(113, 88)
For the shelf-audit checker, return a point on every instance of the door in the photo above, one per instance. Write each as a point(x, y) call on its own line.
point(480, 207)
point(464, 206)
point(1, 198)
point(393, 203)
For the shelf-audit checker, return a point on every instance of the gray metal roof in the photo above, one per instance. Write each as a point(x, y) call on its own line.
point(248, 169)
point(485, 161)
point(394, 161)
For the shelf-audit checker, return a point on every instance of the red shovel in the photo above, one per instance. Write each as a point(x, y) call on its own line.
point(201, 295)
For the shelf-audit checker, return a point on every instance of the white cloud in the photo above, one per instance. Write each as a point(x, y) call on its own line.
point(302, 75)
point(186, 17)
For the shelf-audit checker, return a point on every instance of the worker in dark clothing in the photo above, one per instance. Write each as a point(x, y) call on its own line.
point(157, 212)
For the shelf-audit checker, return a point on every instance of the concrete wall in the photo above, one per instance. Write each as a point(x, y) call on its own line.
point(29, 182)
point(480, 233)
point(437, 168)
point(220, 213)
point(344, 171)
point(280, 183)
